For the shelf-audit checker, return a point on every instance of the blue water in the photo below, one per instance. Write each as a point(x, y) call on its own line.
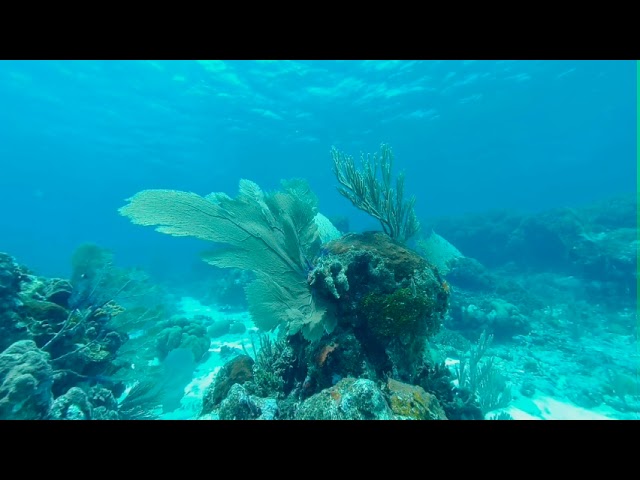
point(79, 137)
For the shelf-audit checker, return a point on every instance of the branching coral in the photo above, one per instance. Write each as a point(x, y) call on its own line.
point(375, 195)
point(482, 378)
point(273, 369)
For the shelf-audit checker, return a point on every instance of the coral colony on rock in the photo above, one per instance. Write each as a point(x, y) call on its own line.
point(315, 323)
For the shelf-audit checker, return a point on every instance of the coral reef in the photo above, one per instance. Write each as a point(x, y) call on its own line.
point(356, 318)
point(458, 402)
point(595, 243)
point(12, 275)
point(182, 333)
point(26, 379)
point(398, 314)
point(349, 399)
point(389, 296)
point(477, 373)
point(73, 405)
point(240, 405)
point(501, 318)
point(350, 310)
point(481, 300)
point(411, 402)
point(66, 359)
point(388, 301)
point(237, 371)
point(273, 372)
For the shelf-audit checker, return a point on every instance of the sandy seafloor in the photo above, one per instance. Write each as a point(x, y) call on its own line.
point(536, 407)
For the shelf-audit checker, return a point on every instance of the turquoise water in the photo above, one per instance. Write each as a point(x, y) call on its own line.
point(524, 170)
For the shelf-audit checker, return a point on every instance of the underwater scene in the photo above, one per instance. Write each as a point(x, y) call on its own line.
point(318, 240)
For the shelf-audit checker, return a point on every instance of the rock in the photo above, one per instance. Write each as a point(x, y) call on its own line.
point(44, 319)
point(410, 402)
point(219, 328)
point(240, 405)
point(12, 328)
point(73, 405)
point(183, 333)
point(58, 291)
point(349, 399)
point(237, 370)
point(384, 292)
point(470, 274)
point(26, 378)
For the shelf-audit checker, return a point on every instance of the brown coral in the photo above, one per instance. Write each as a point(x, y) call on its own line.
point(402, 261)
point(238, 370)
point(324, 353)
point(412, 402)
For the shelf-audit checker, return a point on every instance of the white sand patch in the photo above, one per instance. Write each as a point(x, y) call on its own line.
point(205, 373)
point(542, 407)
point(553, 409)
point(191, 308)
point(451, 362)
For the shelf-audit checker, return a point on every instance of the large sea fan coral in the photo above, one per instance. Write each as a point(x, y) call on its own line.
point(273, 235)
